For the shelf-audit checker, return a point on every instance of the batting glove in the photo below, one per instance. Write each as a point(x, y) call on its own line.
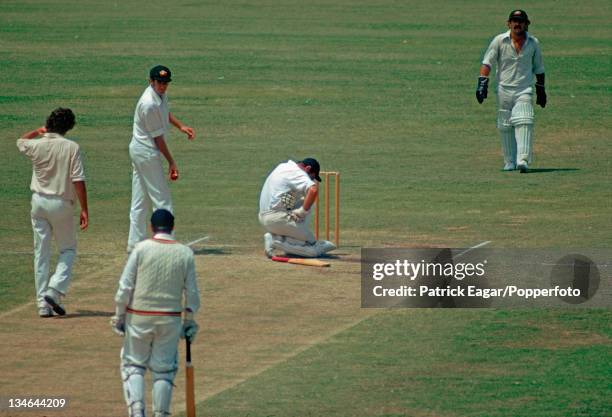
point(117, 323)
point(298, 215)
point(482, 89)
point(190, 327)
point(540, 95)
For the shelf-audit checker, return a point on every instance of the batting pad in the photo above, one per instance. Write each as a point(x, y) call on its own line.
point(508, 144)
point(522, 112)
point(524, 139)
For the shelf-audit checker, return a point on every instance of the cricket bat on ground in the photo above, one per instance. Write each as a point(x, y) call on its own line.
point(189, 383)
point(301, 261)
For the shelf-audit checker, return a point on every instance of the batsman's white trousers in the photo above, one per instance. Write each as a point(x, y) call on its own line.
point(149, 188)
point(52, 216)
point(151, 342)
point(279, 223)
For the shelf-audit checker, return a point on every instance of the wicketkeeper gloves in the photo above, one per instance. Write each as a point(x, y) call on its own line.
point(540, 95)
point(482, 89)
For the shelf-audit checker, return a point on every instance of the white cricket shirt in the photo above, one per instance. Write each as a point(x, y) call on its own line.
point(286, 177)
point(151, 117)
point(514, 70)
point(56, 164)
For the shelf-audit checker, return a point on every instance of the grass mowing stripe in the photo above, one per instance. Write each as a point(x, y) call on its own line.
point(476, 363)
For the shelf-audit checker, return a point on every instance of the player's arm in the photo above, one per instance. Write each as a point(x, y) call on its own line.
point(124, 293)
point(192, 303)
point(311, 195)
point(163, 148)
point(34, 133)
point(180, 126)
point(81, 192)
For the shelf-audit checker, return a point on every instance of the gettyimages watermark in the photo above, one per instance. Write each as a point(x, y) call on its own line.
point(482, 278)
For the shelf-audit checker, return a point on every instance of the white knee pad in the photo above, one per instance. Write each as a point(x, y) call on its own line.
point(295, 247)
point(133, 389)
point(522, 112)
point(162, 393)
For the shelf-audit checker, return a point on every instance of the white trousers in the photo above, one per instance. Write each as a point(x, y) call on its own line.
point(279, 223)
point(52, 216)
point(150, 190)
point(151, 342)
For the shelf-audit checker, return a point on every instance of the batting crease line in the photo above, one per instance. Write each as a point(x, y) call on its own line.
point(480, 245)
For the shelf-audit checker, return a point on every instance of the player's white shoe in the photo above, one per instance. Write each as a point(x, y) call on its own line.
point(268, 249)
point(509, 166)
point(45, 311)
point(523, 167)
point(324, 246)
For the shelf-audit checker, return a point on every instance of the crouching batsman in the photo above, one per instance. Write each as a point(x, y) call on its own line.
point(157, 287)
point(286, 198)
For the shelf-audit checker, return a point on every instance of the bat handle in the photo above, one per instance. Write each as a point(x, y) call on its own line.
point(188, 348)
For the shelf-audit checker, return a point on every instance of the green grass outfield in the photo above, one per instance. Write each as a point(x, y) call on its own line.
point(382, 91)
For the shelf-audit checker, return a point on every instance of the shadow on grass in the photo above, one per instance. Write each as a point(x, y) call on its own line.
point(544, 170)
point(86, 313)
point(211, 251)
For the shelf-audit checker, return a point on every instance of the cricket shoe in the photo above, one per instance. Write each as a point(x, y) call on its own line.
point(54, 298)
point(509, 166)
point(523, 167)
point(45, 311)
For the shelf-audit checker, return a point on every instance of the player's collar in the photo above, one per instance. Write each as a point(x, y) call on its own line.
point(164, 237)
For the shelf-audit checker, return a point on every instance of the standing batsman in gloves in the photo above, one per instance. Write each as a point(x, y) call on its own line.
point(518, 58)
point(157, 286)
point(286, 198)
point(152, 119)
point(58, 179)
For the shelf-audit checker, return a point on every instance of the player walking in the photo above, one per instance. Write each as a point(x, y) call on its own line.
point(149, 184)
point(284, 209)
point(157, 285)
point(518, 58)
point(57, 176)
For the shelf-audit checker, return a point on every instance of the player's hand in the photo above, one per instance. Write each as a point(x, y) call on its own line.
point(41, 130)
point(298, 215)
point(189, 132)
point(84, 220)
point(540, 95)
point(482, 89)
point(117, 323)
point(173, 172)
point(189, 330)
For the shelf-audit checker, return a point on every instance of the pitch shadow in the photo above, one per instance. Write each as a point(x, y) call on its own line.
point(86, 313)
point(544, 170)
point(211, 251)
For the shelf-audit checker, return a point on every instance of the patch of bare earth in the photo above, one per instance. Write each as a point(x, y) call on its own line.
point(255, 313)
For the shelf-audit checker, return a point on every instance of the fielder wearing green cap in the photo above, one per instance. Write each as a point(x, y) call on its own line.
point(152, 119)
point(518, 58)
point(284, 209)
